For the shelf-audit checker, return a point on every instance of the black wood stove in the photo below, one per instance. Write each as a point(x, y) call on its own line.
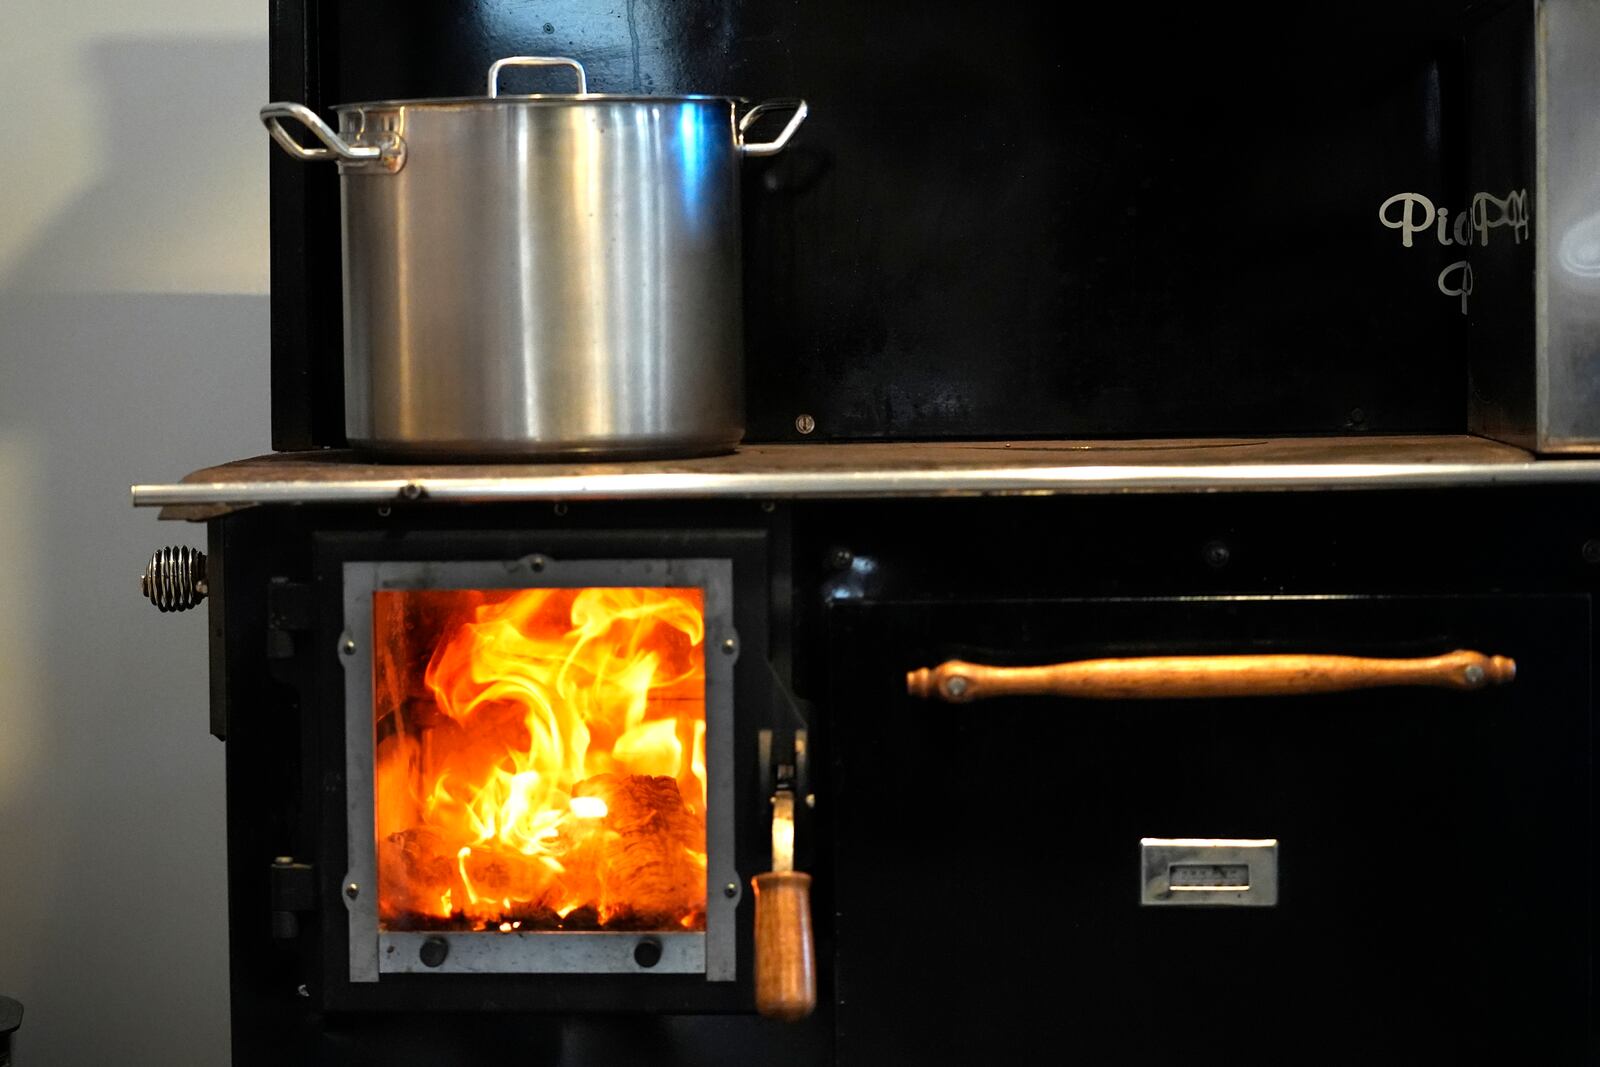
point(506, 745)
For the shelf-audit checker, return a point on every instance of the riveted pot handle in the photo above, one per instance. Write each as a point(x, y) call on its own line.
point(535, 61)
point(389, 156)
point(272, 116)
point(773, 147)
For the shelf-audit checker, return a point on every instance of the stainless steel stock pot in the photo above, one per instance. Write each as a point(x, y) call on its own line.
point(546, 275)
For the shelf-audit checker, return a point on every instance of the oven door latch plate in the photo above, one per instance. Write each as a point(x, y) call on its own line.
point(1208, 871)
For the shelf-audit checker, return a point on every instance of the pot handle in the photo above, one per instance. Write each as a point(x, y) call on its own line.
point(390, 155)
point(534, 61)
point(773, 147)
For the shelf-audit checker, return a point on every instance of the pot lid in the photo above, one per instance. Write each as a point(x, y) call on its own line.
point(493, 97)
point(535, 98)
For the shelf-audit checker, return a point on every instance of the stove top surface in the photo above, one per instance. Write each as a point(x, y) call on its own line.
point(880, 469)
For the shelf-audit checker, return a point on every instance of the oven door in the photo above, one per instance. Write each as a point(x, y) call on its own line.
point(1419, 859)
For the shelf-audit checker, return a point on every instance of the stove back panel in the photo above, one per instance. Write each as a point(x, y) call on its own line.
point(1141, 223)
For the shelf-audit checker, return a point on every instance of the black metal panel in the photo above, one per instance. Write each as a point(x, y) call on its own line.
point(307, 290)
point(864, 590)
point(1143, 221)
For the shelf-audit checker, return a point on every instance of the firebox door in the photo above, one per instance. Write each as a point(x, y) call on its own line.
point(539, 766)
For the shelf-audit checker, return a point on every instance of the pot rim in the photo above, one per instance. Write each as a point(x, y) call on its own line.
point(448, 103)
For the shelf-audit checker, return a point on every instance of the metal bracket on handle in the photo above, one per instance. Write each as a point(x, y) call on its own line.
point(772, 147)
point(534, 61)
point(389, 156)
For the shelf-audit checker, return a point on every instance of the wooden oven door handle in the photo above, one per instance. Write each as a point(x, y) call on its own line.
point(1168, 677)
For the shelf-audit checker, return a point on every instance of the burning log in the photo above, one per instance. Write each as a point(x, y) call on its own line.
point(654, 857)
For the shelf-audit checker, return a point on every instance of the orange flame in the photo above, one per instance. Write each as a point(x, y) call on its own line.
point(545, 768)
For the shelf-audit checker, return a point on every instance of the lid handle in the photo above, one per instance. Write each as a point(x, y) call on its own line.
point(534, 61)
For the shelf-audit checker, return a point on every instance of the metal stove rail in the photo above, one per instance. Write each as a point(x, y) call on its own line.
point(948, 468)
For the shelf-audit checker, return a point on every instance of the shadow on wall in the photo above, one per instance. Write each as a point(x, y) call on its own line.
point(180, 200)
point(133, 346)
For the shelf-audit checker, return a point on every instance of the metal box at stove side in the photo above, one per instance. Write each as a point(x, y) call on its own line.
point(1533, 336)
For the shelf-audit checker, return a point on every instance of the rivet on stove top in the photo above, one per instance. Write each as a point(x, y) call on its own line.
point(728, 646)
point(352, 890)
point(348, 646)
point(730, 890)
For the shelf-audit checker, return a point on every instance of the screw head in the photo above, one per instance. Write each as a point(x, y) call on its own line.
point(536, 564)
point(729, 646)
point(647, 953)
point(560, 507)
point(804, 424)
point(352, 890)
point(433, 951)
point(410, 491)
point(955, 685)
point(348, 646)
point(1473, 674)
point(730, 890)
point(1216, 553)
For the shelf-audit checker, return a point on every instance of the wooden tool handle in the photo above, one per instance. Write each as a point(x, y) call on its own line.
point(786, 970)
point(1160, 677)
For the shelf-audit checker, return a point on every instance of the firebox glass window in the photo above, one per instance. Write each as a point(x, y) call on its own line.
point(540, 759)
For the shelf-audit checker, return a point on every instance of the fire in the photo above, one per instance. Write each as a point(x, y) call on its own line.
point(540, 759)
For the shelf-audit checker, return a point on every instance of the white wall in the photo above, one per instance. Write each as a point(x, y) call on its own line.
point(133, 347)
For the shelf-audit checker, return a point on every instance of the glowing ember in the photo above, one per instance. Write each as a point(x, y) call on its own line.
point(540, 759)
point(588, 807)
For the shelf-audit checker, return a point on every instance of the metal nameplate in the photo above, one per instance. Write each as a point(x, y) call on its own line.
point(1208, 871)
